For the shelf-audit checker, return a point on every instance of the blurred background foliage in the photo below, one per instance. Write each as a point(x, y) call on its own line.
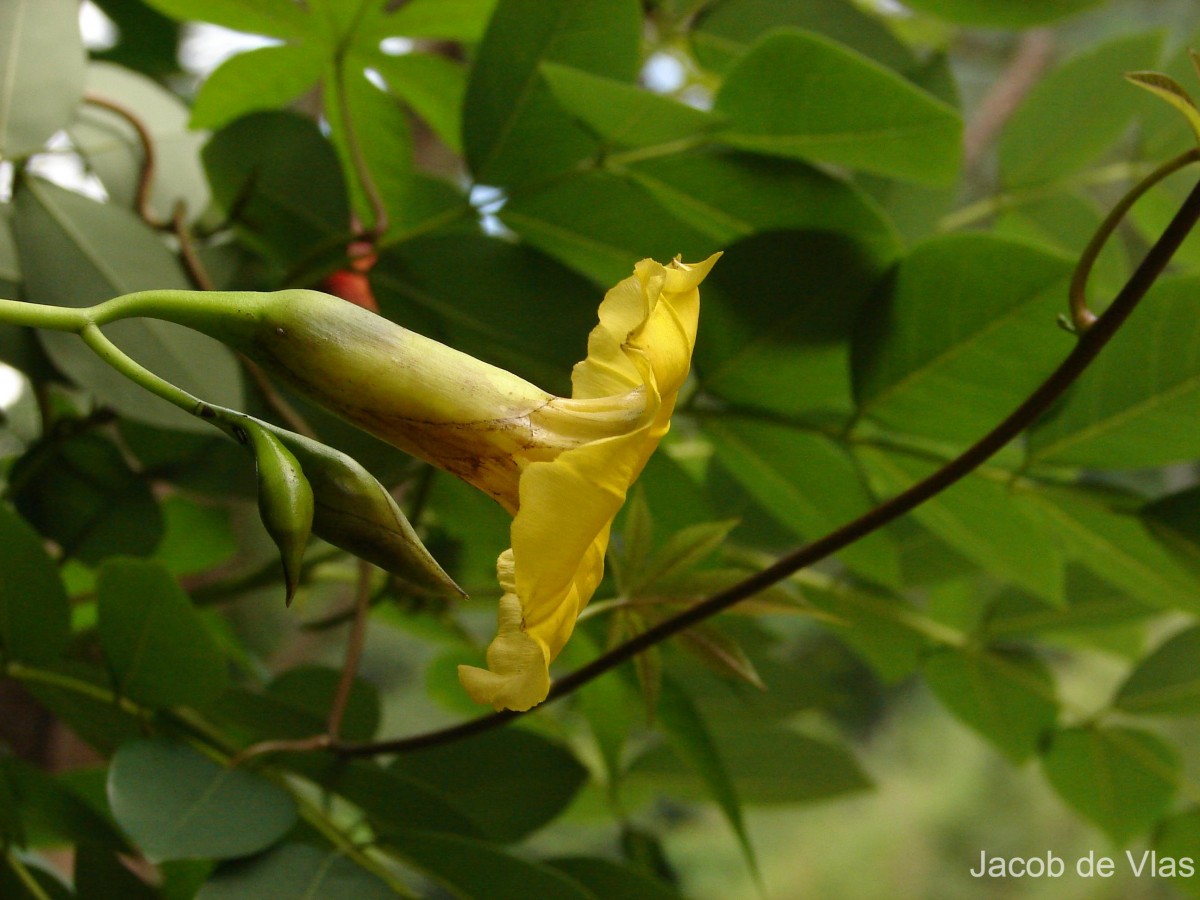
point(900, 191)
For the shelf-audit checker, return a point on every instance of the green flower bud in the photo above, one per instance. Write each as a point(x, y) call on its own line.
point(285, 500)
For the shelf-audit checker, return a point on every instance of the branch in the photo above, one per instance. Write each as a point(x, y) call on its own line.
point(1088, 347)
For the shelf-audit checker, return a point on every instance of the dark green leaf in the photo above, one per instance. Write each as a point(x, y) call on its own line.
point(198, 536)
point(100, 875)
point(52, 813)
point(508, 781)
point(682, 551)
point(1006, 696)
point(81, 493)
point(50, 884)
point(807, 481)
point(432, 85)
point(266, 78)
point(178, 804)
point(294, 870)
point(1167, 682)
point(77, 252)
point(1001, 13)
point(801, 96)
point(34, 612)
point(311, 689)
point(724, 30)
point(778, 311)
point(963, 332)
point(158, 650)
point(513, 130)
point(605, 878)
point(600, 224)
point(621, 114)
point(277, 18)
point(42, 58)
point(1137, 405)
point(147, 41)
point(85, 704)
point(1076, 113)
point(1177, 839)
point(459, 20)
point(1120, 778)
point(689, 735)
point(470, 869)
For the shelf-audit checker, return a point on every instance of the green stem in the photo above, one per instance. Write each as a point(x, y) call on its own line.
point(52, 318)
point(136, 372)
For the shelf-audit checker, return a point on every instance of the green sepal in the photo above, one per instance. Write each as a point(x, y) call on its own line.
point(285, 501)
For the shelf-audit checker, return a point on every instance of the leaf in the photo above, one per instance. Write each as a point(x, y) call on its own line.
point(1006, 696)
point(1075, 113)
point(277, 18)
point(720, 653)
point(52, 813)
point(1167, 88)
point(34, 611)
point(781, 467)
point(1120, 778)
point(281, 179)
point(605, 878)
point(42, 58)
point(260, 79)
point(1167, 682)
point(1002, 13)
point(731, 195)
point(801, 96)
point(1177, 837)
point(77, 252)
point(198, 536)
point(509, 781)
point(294, 870)
point(689, 735)
point(979, 517)
point(97, 721)
point(469, 868)
point(177, 804)
point(512, 128)
point(432, 85)
point(682, 552)
point(1136, 405)
point(458, 20)
point(82, 494)
point(505, 303)
point(1117, 547)
point(113, 149)
point(624, 115)
point(600, 224)
point(158, 650)
point(312, 689)
point(724, 30)
point(100, 875)
point(781, 345)
point(962, 333)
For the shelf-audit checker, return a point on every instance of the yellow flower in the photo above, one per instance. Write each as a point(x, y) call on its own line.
point(560, 465)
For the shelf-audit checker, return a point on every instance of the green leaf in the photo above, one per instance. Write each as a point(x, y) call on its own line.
point(178, 804)
point(83, 495)
point(1167, 88)
point(505, 303)
point(158, 650)
point(277, 18)
point(724, 30)
point(1001, 13)
point(1175, 520)
point(49, 883)
point(605, 878)
point(510, 782)
point(433, 86)
point(34, 611)
point(802, 96)
point(1167, 682)
point(979, 517)
point(469, 868)
point(681, 553)
point(100, 875)
point(198, 536)
point(1118, 547)
point(113, 148)
point(777, 765)
point(1177, 838)
point(963, 332)
point(265, 78)
point(513, 129)
point(601, 224)
point(781, 467)
point(624, 115)
point(689, 735)
point(77, 252)
point(1076, 113)
point(778, 312)
point(312, 689)
point(85, 704)
point(456, 20)
point(1006, 696)
point(281, 178)
point(731, 195)
point(52, 813)
point(42, 58)
point(1137, 404)
point(1120, 778)
point(294, 870)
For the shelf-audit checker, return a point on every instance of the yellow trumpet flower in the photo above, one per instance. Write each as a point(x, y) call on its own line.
point(560, 465)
